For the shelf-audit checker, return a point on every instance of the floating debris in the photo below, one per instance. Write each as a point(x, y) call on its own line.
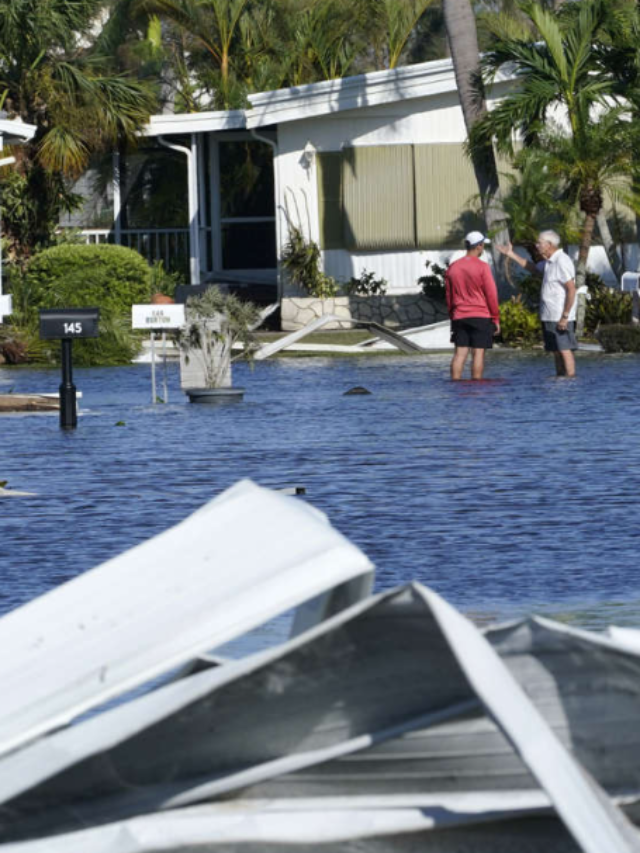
point(391, 723)
point(28, 403)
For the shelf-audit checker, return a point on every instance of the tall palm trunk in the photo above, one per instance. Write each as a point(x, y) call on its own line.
point(586, 238)
point(463, 42)
point(617, 263)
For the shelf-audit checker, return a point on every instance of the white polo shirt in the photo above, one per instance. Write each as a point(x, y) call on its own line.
point(556, 272)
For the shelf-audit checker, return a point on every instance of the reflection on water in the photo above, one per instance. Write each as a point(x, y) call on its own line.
point(508, 496)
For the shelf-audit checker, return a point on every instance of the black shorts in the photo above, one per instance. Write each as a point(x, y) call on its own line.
point(475, 332)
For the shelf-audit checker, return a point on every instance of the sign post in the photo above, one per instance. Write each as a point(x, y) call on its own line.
point(152, 317)
point(66, 324)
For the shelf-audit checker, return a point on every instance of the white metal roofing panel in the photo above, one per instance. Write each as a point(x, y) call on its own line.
point(282, 823)
point(345, 694)
point(205, 122)
point(348, 93)
point(243, 558)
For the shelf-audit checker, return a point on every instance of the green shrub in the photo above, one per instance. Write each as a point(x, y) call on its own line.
point(519, 326)
point(111, 278)
point(619, 338)
point(163, 281)
point(22, 345)
point(432, 283)
point(302, 261)
point(606, 306)
point(366, 285)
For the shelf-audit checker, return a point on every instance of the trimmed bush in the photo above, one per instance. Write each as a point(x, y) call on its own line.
point(111, 278)
point(619, 338)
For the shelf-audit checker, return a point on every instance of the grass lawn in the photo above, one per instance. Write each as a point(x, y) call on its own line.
point(342, 337)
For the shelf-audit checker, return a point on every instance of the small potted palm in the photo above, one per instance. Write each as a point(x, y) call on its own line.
point(215, 323)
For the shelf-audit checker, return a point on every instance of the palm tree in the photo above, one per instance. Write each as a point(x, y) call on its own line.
point(463, 41)
point(318, 43)
point(554, 68)
point(396, 22)
point(51, 76)
point(214, 27)
point(617, 55)
point(533, 200)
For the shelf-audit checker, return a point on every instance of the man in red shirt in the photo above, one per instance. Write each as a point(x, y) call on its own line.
point(472, 300)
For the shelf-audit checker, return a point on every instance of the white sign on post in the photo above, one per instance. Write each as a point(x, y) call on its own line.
point(153, 317)
point(157, 316)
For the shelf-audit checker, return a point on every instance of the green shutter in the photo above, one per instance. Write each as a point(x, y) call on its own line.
point(446, 192)
point(329, 165)
point(378, 198)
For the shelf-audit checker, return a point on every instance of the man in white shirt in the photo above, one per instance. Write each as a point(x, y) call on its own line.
point(557, 298)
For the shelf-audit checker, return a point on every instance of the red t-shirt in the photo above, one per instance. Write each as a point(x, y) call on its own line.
point(471, 290)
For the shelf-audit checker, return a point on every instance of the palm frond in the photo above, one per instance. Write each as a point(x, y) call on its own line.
point(64, 150)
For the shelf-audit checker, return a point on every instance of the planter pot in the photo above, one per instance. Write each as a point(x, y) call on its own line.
point(214, 395)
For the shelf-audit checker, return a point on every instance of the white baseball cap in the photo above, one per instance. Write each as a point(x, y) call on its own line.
point(474, 237)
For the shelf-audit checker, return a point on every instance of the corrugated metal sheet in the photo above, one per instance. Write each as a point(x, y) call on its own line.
point(378, 191)
point(85, 641)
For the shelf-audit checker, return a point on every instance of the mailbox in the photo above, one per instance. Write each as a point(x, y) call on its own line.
point(65, 324)
point(68, 323)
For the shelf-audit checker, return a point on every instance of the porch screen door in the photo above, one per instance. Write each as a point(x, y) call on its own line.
point(247, 205)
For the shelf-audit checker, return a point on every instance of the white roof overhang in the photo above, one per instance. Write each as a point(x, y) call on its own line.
point(176, 123)
point(350, 93)
point(14, 132)
point(317, 99)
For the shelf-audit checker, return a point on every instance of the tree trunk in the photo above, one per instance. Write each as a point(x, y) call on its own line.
point(586, 239)
point(463, 42)
point(609, 246)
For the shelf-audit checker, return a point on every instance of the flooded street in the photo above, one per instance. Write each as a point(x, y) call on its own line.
point(515, 495)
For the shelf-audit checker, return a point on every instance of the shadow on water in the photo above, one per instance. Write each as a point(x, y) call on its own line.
point(513, 495)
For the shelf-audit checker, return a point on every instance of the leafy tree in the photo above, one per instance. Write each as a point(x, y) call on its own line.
point(532, 200)
point(393, 27)
point(617, 56)
point(213, 27)
point(592, 151)
point(52, 77)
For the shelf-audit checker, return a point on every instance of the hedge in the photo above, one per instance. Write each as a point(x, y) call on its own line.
point(617, 337)
point(112, 278)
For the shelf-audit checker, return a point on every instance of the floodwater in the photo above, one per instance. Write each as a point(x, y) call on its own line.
point(518, 494)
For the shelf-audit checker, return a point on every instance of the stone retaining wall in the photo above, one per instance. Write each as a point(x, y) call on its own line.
point(396, 312)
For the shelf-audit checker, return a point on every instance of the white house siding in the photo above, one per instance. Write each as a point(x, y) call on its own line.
point(436, 119)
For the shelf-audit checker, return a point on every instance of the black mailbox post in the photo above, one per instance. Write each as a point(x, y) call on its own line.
point(65, 324)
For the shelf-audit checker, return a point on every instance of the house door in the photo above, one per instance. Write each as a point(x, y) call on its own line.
point(242, 208)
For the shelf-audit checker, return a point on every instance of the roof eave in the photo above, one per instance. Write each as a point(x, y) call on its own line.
point(180, 123)
point(329, 96)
